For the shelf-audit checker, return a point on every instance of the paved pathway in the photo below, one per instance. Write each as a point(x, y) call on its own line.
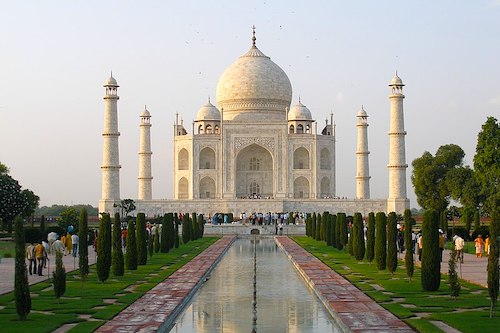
point(7, 270)
point(157, 309)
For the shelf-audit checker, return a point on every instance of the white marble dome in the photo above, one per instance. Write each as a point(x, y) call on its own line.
point(299, 112)
point(254, 88)
point(208, 112)
point(362, 112)
point(396, 81)
point(111, 82)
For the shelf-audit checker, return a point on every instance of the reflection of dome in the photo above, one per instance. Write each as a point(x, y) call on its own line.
point(254, 84)
point(208, 112)
point(396, 81)
point(111, 82)
point(299, 112)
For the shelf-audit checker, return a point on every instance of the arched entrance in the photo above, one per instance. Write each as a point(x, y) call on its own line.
point(254, 172)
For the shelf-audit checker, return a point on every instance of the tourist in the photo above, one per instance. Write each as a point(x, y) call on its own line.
point(478, 243)
point(459, 247)
point(40, 255)
point(69, 243)
point(58, 246)
point(420, 244)
point(124, 237)
point(30, 255)
point(487, 245)
point(51, 237)
point(74, 240)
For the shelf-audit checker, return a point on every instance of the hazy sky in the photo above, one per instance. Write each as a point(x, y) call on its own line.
point(169, 55)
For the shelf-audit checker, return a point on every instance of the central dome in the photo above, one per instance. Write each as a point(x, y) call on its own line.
point(254, 88)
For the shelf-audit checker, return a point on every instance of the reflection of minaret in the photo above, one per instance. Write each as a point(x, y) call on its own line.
point(363, 170)
point(397, 200)
point(110, 152)
point(145, 177)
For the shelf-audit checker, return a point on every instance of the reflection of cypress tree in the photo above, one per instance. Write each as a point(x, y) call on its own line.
point(370, 238)
point(380, 240)
point(142, 250)
point(103, 264)
point(21, 286)
point(117, 261)
point(408, 244)
point(392, 251)
point(431, 265)
point(359, 237)
point(59, 277)
point(131, 254)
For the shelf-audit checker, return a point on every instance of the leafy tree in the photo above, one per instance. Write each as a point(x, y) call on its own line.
point(452, 274)
point(370, 238)
point(142, 250)
point(358, 237)
point(31, 202)
point(21, 286)
point(103, 264)
point(380, 240)
point(117, 261)
point(59, 277)
point(83, 250)
point(477, 220)
point(68, 217)
point(409, 263)
point(493, 273)
point(131, 253)
point(466, 218)
point(431, 178)
point(392, 251)
point(12, 201)
point(487, 163)
point(431, 264)
point(126, 206)
point(443, 220)
point(42, 224)
point(55, 210)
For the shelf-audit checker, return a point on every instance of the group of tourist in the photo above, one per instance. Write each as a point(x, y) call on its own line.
point(272, 218)
point(482, 245)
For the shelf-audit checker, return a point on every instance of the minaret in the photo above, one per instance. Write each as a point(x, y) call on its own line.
point(397, 200)
point(145, 178)
point(363, 169)
point(110, 152)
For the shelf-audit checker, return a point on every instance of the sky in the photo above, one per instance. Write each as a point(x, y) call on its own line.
point(169, 55)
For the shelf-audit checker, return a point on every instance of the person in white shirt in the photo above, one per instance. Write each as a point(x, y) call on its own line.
point(74, 240)
point(459, 247)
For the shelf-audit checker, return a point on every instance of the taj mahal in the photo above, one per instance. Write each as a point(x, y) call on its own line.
point(253, 151)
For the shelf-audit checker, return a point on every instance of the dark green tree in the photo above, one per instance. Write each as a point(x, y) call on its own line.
point(324, 220)
point(171, 230)
point(409, 263)
point(381, 240)
point(493, 273)
point(157, 239)
point(370, 238)
point(186, 229)
point(319, 226)
point(431, 264)
point(117, 260)
point(392, 250)
point(150, 240)
point(477, 220)
point(59, 277)
point(467, 217)
point(42, 224)
point(141, 238)
point(333, 229)
point(328, 228)
point(313, 225)
point(126, 206)
point(164, 246)
point(103, 264)
point(176, 232)
point(68, 217)
point(443, 220)
point(343, 236)
point(131, 252)
point(452, 274)
point(487, 164)
point(338, 233)
point(194, 226)
point(83, 250)
point(202, 226)
point(21, 286)
point(358, 241)
point(308, 226)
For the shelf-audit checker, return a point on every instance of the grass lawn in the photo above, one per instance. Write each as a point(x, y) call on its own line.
point(7, 248)
point(467, 313)
point(89, 306)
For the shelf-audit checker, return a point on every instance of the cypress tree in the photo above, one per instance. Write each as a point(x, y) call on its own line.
point(157, 239)
point(176, 232)
point(338, 242)
point(380, 240)
point(324, 226)
point(142, 249)
point(199, 226)
point(370, 238)
point(164, 248)
point(83, 249)
point(185, 229)
point(131, 254)
point(342, 234)
point(350, 248)
point(392, 250)
point(59, 277)
point(333, 228)
point(328, 229)
point(466, 219)
point(431, 265)
point(443, 220)
point(313, 225)
point(194, 229)
point(319, 226)
point(21, 286)
point(345, 230)
point(150, 239)
point(103, 264)
point(117, 261)
point(42, 224)
point(308, 225)
point(202, 226)
point(477, 220)
point(359, 237)
point(452, 274)
point(493, 274)
point(408, 244)
point(171, 230)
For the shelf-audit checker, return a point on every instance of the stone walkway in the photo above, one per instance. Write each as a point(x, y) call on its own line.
point(157, 309)
point(353, 310)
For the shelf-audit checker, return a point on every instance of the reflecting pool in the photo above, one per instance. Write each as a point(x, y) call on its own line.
point(284, 302)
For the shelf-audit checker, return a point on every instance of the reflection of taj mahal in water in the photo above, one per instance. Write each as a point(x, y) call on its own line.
point(253, 152)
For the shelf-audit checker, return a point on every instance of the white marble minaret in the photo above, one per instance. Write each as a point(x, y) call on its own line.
point(397, 200)
point(363, 169)
point(110, 153)
point(145, 178)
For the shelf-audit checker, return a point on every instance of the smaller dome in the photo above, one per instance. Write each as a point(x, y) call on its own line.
point(145, 113)
point(299, 112)
point(208, 112)
point(362, 112)
point(111, 82)
point(396, 81)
